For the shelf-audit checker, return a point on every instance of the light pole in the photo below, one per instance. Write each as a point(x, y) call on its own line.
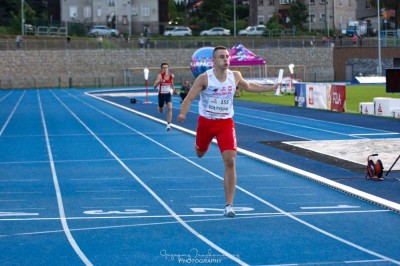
point(309, 17)
point(326, 19)
point(379, 69)
point(66, 7)
point(116, 18)
point(234, 18)
point(22, 18)
point(130, 18)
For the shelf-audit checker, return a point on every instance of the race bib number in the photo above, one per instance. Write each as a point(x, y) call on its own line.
point(166, 89)
point(218, 107)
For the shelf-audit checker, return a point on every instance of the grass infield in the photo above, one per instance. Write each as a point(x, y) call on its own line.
point(354, 95)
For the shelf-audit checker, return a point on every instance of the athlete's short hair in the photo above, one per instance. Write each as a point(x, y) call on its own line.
point(164, 64)
point(219, 48)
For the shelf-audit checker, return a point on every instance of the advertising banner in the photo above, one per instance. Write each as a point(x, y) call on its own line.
point(316, 96)
point(300, 95)
point(337, 97)
point(321, 96)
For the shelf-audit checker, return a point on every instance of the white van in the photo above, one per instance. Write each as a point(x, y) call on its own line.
point(253, 30)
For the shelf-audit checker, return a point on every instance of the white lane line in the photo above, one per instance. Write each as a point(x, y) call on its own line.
point(97, 179)
point(330, 207)
point(58, 191)
point(375, 134)
point(200, 219)
point(217, 214)
point(143, 184)
point(313, 119)
point(12, 113)
point(3, 214)
point(5, 96)
point(279, 165)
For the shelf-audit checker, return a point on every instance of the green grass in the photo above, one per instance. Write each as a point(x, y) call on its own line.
point(354, 95)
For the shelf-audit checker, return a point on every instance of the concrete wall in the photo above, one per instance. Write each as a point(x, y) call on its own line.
point(96, 68)
point(362, 60)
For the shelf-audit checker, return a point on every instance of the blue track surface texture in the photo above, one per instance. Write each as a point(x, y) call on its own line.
point(85, 182)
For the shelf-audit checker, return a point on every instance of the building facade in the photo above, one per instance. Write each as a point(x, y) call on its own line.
point(130, 17)
point(324, 15)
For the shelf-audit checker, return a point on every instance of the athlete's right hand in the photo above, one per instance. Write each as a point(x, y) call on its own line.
point(181, 118)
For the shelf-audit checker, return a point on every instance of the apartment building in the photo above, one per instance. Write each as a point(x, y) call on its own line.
point(134, 16)
point(131, 17)
point(323, 14)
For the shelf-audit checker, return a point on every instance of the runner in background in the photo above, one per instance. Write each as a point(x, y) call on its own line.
point(165, 85)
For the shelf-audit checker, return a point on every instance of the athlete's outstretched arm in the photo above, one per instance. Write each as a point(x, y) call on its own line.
point(243, 84)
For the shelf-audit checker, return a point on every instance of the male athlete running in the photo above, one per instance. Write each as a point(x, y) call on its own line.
point(216, 88)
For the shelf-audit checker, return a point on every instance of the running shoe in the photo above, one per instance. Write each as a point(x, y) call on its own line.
point(229, 212)
point(168, 128)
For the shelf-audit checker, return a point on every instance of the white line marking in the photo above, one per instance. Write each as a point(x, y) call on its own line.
point(311, 119)
point(206, 197)
point(5, 96)
point(2, 214)
point(58, 191)
point(21, 192)
point(375, 134)
point(251, 215)
point(202, 220)
point(363, 261)
point(330, 207)
point(12, 113)
point(105, 190)
point(96, 179)
point(19, 180)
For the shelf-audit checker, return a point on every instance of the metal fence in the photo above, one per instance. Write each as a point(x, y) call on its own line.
point(388, 39)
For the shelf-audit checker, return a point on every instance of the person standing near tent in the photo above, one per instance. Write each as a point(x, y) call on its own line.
point(216, 88)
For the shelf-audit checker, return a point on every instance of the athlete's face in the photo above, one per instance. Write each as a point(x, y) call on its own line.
point(221, 59)
point(164, 69)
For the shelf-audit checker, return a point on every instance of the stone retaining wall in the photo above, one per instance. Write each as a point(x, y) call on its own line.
point(96, 68)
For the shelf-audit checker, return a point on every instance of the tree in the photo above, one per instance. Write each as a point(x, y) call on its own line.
point(10, 12)
point(15, 17)
point(172, 13)
point(390, 5)
point(298, 14)
point(7, 7)
point(212, 12)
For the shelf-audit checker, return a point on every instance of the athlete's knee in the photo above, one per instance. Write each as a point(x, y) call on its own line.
point(199, 154)
point(229, 158)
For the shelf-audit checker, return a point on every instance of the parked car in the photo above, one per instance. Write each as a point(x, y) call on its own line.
point(103, 31)
point(215, 32)
point(178, 31)
point(253, 30)
point(29, 29)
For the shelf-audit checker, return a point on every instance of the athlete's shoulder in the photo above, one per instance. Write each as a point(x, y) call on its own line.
point(236, 73)
point(202, 80)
